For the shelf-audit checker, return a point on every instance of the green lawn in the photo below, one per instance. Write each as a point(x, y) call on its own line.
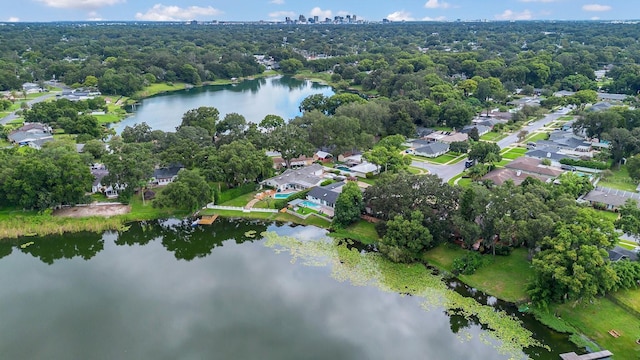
point(619, 180)
point(453, 179)
point(240, 200)
point(630, 298)
point(362, 231)
point(493, 136)
point(607, 215)
point(514, 153)
point(503, 276)
point(108, 118)
point(566, 118)
point(159, 88)
point(465, 182)
point(595, 319)
point(503, 162)
point(537, 136)
point(442, 159)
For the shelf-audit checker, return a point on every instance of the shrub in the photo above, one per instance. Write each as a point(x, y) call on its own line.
point(585, 163)
point(468, 264)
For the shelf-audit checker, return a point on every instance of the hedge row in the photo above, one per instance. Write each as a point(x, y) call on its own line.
point(592, 164)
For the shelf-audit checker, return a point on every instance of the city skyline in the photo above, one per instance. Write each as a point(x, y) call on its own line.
point(278, 10)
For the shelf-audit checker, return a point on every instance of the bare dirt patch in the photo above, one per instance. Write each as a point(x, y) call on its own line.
point(104, 210)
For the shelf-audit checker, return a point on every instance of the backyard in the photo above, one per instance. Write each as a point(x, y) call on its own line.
point(493, 136)
point(513, 153)
point(619, 179)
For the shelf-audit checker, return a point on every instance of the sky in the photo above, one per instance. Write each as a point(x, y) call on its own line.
point(374, 10)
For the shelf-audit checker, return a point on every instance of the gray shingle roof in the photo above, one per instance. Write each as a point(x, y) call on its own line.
point(433, 148)
point(327, 193)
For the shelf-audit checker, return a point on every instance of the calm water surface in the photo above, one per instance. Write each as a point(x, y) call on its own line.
point(254, 99)
point(165, 290)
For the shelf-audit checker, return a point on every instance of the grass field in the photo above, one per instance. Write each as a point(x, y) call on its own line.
point(159, 88)
point(361, 231)
point(465, 182)
point(630, 298)
point(108, 118)
point(619, 180)
point(514, 153)
point(595, 319)
point(240, 200)
point(502, 276)
point(493, 136)
point(442, 159)
point(537, 136)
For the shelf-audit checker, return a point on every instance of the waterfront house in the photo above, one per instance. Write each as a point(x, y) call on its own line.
point(297, 179)
point(166, 175)
point(326, 195)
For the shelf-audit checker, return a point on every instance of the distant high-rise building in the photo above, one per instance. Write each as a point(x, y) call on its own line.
point(302, 19)
point(354, 18)
point(316, 19)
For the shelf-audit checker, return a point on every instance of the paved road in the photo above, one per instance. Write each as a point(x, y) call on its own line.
point(13, 115)
point(446, 172)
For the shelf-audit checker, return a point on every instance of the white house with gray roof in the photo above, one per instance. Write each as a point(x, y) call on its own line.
point(297, 179)
point(326, 195)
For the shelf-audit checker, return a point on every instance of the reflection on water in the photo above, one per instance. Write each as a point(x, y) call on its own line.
point(254, 99)
point(166, 290)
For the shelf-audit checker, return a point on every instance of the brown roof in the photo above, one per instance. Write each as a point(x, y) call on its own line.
point(533, 166)
point(500, 176)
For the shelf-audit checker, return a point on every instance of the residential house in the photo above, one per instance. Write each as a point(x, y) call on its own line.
point(566, 140)
point(322, 156)
point(601, 96)
point(31, 134)
point(447, 137)
point(532, 166)
point(482, 129)
point(326, 195)
point(502, 175)
point(166, 175)
point(351, 160)
point(361, 170)
point(619, 254)
point(432, 150)
point(279, 163)
point(525, 101)
point(297, 179)
point(489, 122)
point(99, 171)
point(600, 106)
point(31, 88)
point(550, 153)
point(611, 199)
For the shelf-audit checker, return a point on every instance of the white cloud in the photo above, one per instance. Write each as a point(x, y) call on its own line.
point(439, 18)
point(596, 7)
point(161, 12)
point(400, 15)
point(281, 14)
point(80, 4)
point(511, 15)
point(277, 2)
point(316, 11)
point(595, 18)
point(13, 19)
point(436, 4)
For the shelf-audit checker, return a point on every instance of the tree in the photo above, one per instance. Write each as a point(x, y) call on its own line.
point(313, 102)
point(457, 114)
point(271, 122)
point(238, 163)
point(291, 142)
point(405, 239)
point(629, 220)
point(573, 263)
point(485, 152)
point(138, 133)
point(349, 205)
point(461, 147)
point(633, 167)
point(474, 134)
point(95, 148)
point(522, 135)
point(389, 157)
point(291, 66)
point(204, 117)
point(129, 164)
point(597, 123)
point(337, 100)
point(622, 143)
point(189, 191)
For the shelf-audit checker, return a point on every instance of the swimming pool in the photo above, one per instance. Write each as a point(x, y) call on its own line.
point(309, 204)
point(282, 196)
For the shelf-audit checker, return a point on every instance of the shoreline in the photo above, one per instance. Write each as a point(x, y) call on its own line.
point(32, 225)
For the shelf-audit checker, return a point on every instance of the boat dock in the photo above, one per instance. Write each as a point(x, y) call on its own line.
point(592, 356)
point(207, 219)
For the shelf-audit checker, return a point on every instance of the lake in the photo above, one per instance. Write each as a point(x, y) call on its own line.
point(254, 99)
point(166, 290)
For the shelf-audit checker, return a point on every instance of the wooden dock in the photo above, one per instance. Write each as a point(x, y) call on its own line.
point(592, 356)
point(207, 219)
